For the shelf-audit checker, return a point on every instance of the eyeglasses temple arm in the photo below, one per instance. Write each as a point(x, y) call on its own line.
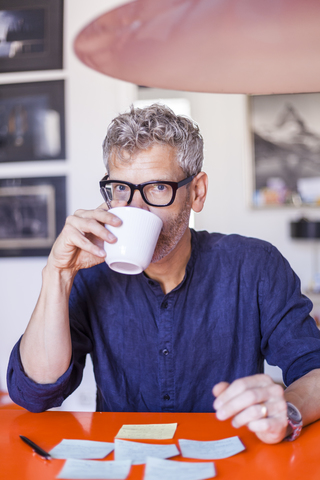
point(105, 197)
point(185, 181)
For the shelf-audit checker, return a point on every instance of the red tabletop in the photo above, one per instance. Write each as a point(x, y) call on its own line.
point(287, 460)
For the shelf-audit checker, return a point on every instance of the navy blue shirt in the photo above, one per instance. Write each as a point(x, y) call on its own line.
point(239, 302)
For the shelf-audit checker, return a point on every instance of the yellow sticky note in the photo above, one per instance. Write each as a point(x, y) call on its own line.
point(157, 431)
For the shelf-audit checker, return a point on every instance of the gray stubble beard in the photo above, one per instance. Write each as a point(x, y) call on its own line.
point(171, 234)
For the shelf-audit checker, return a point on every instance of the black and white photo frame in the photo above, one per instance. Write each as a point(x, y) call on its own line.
point(31, 35)
point(285, 133)
point(32, 121)
point(32, 214)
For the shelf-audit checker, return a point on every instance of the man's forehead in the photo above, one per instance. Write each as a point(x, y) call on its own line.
point(154, 154)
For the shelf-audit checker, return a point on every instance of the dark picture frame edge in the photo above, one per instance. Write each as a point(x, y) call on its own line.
point(31, 98)
point(52, 56)
point(45, 208)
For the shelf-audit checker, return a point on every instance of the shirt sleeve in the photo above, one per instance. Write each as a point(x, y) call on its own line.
point(290, 337)
point(33, 396)
point(37, 397)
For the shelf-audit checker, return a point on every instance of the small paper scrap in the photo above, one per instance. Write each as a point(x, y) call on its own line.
point(137, 453)
point(158, 431)
point(211, 450)
point(158, 469)
point(81, 449)
point(83, 469)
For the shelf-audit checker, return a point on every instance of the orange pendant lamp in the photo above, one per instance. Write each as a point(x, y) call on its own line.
point(221, 46)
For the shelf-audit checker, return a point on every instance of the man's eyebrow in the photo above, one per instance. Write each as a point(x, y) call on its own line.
point(160, 180)
point(168, 179)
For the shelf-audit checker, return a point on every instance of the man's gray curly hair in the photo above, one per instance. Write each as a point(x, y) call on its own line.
point(141, 128)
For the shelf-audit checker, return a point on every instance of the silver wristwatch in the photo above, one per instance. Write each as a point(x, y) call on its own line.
point(295, 421)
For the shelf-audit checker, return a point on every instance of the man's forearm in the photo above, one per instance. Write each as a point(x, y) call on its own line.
point(305, 395)
point(45, 348)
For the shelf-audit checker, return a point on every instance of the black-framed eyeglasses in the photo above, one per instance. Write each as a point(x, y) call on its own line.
point(155, 194)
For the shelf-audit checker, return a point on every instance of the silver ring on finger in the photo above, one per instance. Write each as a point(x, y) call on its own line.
point(264, 410)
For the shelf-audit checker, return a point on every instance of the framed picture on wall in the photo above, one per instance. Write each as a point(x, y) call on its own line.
point(31, 35)
point(32, 121)
point(32, 214)
point(285, 133)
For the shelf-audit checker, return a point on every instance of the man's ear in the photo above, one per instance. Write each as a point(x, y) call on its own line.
point(199, 191)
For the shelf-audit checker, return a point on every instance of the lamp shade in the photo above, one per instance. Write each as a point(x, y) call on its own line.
point(305, 228)
point(221, 46)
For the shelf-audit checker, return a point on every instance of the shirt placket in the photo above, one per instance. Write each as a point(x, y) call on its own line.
point(166, 372)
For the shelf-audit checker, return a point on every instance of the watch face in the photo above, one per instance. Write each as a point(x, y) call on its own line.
point(293, 413)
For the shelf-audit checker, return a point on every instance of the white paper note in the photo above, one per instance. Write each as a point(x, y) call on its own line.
point(158, 431)
point(138, 452)
point(212, 450)
point(158, 469)
point(93, 469)
point(68, 448)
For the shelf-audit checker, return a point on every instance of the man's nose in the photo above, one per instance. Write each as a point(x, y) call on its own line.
point(137, 201)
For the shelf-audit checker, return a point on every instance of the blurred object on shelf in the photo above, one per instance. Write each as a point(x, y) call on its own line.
point(305, 229)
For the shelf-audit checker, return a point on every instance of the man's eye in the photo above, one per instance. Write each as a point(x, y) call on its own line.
point(120, 188)
point(160, 188)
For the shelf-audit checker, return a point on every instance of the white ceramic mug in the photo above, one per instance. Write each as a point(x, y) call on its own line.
point(137, 239)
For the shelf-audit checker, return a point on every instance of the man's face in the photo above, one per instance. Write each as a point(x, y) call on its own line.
point(157, 163)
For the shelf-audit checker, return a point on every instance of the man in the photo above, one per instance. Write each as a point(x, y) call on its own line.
point(204, 314)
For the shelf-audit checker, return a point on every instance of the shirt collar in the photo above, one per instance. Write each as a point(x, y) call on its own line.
point(189, 267)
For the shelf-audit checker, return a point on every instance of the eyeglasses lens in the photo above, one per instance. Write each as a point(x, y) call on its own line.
point(158, 193)
point(118, 192)
point(155, 193)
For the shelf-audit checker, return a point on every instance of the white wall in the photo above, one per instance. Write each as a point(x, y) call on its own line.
point(92, 100)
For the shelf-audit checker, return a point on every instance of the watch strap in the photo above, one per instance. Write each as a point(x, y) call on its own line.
point(295, 424)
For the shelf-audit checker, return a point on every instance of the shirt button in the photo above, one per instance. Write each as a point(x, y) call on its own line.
point(165, 305)
point(166, 397)
point(151, 283)
point(165, 351)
